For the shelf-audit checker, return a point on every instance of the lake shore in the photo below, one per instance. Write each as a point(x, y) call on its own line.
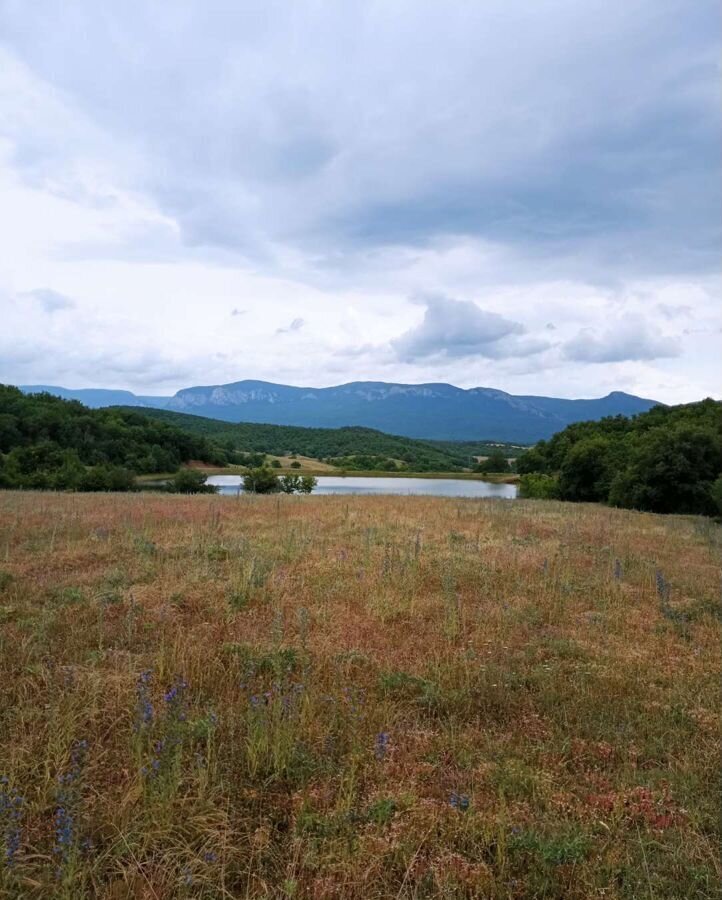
point(494, 478)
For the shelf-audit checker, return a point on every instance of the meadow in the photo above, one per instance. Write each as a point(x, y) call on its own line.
point(333, 697)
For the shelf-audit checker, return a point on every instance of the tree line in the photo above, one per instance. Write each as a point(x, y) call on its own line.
point(354, 448)
point(55, 444)
point(666, 460)
point(259, 480)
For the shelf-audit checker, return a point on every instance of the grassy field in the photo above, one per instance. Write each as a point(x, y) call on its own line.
point(356, 697)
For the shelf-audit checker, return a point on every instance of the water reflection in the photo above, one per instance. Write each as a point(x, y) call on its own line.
point(434, 487)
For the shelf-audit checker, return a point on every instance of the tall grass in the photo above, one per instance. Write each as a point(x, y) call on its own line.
point(363, 697)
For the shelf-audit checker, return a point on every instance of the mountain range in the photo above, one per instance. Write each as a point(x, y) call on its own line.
point(431, 411)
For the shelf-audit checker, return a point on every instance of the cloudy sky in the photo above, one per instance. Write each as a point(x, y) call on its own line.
point(502, 193)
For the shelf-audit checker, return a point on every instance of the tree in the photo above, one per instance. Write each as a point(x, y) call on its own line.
point(587, 471)
point(308, 483)
point(106, 478)
point(495, 462)
point(50, 443)
point(295, 464)
point(262, 480)
point(290, 484)
point(670, 471)
point(192, 481)
point(276, 463)
point(716, 494)
point(537, 486)
point(532, 460)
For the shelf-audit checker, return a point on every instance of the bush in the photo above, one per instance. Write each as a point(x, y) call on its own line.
point(495, 462)
point(290, 484)
point(539, 487)
point(308, 483)
point(302, 484)
point(532, 460)
point(262, 480)
point(191, 481)
point(295, 464)
point(276, 463)
point(106, 478)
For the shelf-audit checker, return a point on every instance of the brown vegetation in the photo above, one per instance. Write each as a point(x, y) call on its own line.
point(357, 697)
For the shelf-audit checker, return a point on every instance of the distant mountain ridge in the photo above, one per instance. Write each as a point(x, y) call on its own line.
point(431, 411)
point(97, 398)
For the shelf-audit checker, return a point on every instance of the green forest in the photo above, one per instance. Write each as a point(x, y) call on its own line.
point(666, 460)
point(55, 444)
point(352, 448)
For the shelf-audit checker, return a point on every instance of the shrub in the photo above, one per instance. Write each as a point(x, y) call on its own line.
point(495, 462)
point(191, 481)
point(106, 478)
point(262, 480)
point(290, 484)
point(539, 487)
point(302, 484)
point(308, 483)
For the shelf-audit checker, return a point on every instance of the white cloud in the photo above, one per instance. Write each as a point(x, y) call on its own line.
point(630, 338)
point(314, 164)
point(459, 328)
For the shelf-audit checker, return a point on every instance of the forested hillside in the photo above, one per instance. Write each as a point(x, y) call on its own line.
point(47, 442)
point(667, 460)
point(351, 448)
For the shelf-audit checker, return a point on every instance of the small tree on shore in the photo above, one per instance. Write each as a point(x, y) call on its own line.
point(308, 483)
point(496, 462)
point(192, 481)
point(290, 484)
point(301, 484)
point(262, 480)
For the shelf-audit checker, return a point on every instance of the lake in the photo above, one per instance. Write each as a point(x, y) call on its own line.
point(434, 487)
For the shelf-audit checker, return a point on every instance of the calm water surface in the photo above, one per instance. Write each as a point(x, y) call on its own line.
point(435, 487)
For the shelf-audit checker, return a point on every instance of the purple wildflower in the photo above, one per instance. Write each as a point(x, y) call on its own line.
point(459, 801)
point(11, 814)
point(382, 745)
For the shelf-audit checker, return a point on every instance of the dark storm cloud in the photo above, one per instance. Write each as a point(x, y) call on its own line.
point(560, 130)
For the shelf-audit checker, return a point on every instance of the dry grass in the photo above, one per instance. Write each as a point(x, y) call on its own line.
point(384, 697)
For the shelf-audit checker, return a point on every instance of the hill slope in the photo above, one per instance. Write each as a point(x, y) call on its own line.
point(48, 442)
point(361, 448)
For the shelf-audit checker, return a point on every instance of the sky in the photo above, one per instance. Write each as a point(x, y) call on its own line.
point(516, 195)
